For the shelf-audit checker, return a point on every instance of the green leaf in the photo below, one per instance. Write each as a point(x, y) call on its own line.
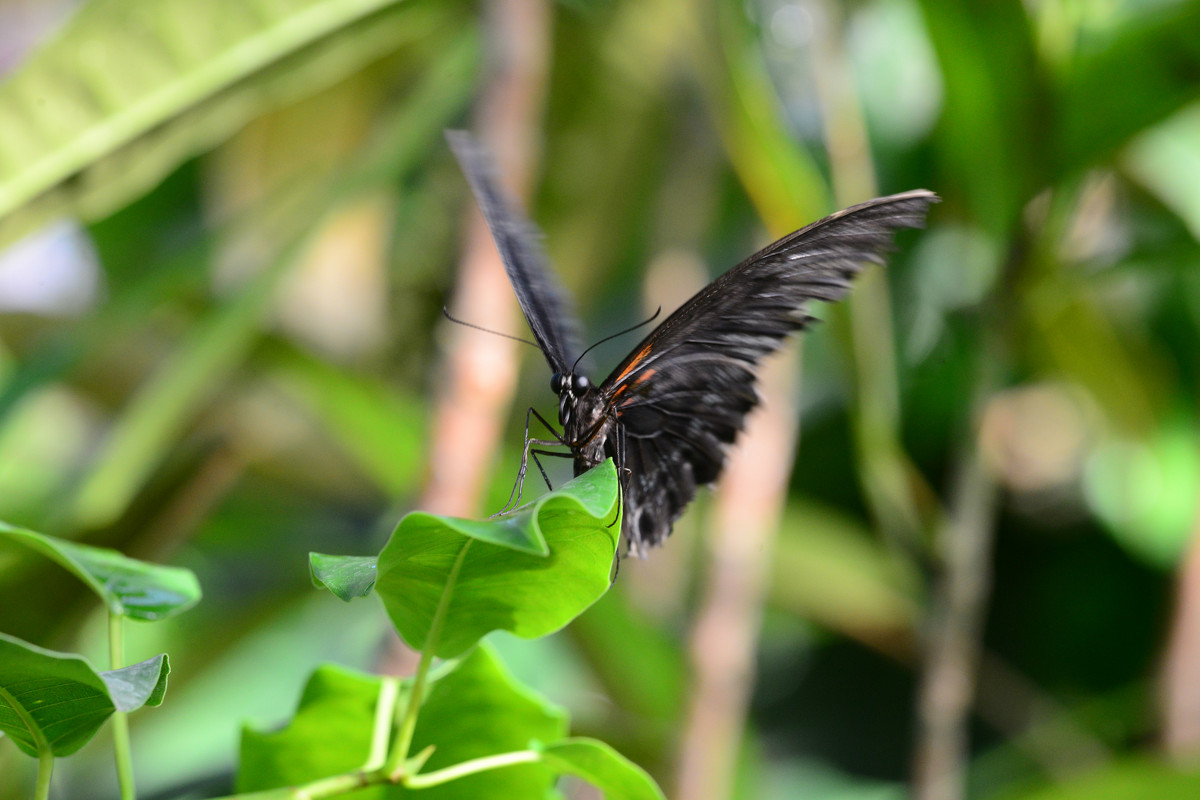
point(141, 684)
point(603, 767)
point(160, 410)
point(56, 701)
point(329, 734)
point(1144, 491)
point(1143, 74)
point(783, 181)
point(1166, 159)
point(828, 568)
point(1131, 779)
point(347, 577)
point(380, 428)
point(131, 588)
point(480, 710)
point(529, 573)
point(127, 90)
point(475, 710)
point(212, 350)
point(990, 128)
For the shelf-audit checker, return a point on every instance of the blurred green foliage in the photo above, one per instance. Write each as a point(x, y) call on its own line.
point(268, 220)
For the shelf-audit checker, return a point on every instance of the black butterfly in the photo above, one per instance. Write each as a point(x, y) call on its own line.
point(669, 411)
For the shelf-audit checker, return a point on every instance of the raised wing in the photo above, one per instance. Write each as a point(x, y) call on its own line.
point(682, 395)
point(543, 301)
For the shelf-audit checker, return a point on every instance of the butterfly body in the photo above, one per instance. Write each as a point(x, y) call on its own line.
point(589, 433)
point(668, 413)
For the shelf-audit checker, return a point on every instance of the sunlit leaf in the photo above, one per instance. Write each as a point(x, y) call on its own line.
point(530, 572)
point(1145, 492)
point(213, 349)
point(127, 90)
point(782, 179)
point(1167, 160)
point(132, 588)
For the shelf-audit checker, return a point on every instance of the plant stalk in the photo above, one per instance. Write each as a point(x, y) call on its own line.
point(471, 767)
point(45, 770)
point(337, 785)
point(395, 764)
point(120, 722)
point(385, 712)
point(45, 752)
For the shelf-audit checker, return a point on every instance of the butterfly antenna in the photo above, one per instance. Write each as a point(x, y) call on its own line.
point(446, 314)
point(653, 317)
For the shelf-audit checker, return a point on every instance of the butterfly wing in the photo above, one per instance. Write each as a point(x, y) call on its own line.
point(543, 300)
point(682, 395)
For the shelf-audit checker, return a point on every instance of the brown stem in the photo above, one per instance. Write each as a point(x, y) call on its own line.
point(724, 637)
point(887, 477)
point(954, 630)
point(1180, 690)
point(480, 370)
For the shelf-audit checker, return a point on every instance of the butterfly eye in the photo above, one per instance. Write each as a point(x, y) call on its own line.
point(556, 383)
point(580, 384)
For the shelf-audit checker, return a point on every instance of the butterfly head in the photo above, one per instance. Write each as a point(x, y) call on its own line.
point(569, 388)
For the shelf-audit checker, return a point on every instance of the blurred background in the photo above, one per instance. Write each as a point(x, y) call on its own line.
point(955, 555)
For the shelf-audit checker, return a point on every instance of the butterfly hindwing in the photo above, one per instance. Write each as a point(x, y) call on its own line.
point(682, 395)
point(543, 301)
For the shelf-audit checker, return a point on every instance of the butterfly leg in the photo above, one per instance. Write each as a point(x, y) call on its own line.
point(514, 497)
point(557, 437)
point(534, 455)
point(622, 472)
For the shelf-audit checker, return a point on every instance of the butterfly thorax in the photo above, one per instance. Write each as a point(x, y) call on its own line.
point(587, 429)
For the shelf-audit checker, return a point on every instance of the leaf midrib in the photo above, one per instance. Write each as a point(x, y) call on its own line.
point(26, 717)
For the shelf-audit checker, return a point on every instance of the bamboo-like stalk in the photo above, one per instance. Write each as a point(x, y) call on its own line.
point(724, 636)
point(1179, 698)
point(480, 371)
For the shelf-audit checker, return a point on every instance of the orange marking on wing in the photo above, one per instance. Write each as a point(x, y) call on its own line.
point(625, 387)
point(636, 360)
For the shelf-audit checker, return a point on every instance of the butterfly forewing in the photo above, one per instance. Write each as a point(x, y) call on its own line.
point(682, 395)
point(543, 301)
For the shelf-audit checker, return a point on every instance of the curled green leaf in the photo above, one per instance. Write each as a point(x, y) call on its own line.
point(347, 577)
point(141, 684)
point(529, 573)
point(603, 767)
